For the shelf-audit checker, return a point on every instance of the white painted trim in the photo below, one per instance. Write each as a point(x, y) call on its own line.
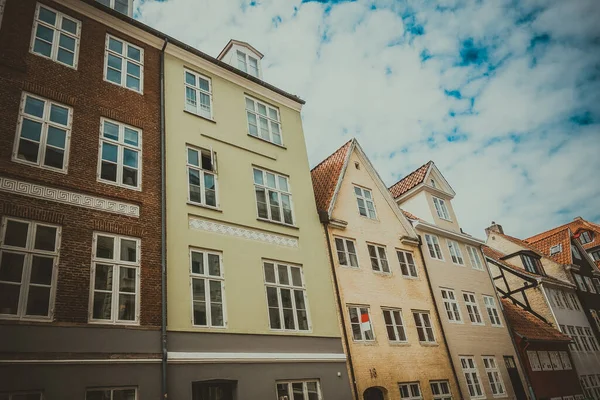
point(87, 361)
point(217, 357)
point(421, 225)
point(68, 197)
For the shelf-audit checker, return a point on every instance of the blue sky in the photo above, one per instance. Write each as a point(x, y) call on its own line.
point(504, 96)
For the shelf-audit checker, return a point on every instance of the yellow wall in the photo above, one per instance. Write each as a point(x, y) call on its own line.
point(242, 258)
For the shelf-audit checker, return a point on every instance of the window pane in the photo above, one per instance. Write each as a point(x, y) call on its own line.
point(130, 158)
point(269, 273)
point(109, 152)
point(193, 157)
point(133, 83)
point(66, 42)
point(108, 171)
point(105, 247)
point(131, 137)
point(34, 107)
point(11, 267)
point(296, 276)
point(115, 45)
point(127, 307)
point(38, 301)
point(45, 238)
point(69, 26)
point(54, 158)
point(9, 298)
point(252, 126)
point(283, 185)
point(16, 233)
point(282, 273)
point(128, 250)
point(127, 280)
point(133, 53)
point(41, 270)
point(44, 33)
point(103, 278)
point(261, 202)
point(110, 130)
point(130, 177)
point(113, 75)
point(214, 267)
point(47, 16)
point(102, 305)
point(42, 48)
point(216, 315)
point(28, 151)
point(199, 313)
point(56, 137)
point(271, 180)
point(31, 129)
point(190, 79)
point(123, 394)
point(197, 263)
point(133, 69)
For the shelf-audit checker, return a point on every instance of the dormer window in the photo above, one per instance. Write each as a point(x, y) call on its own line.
point(242, 56)
point(440, 208)
point(122, 6)
point(531, 264)
point(555, 249)
point(585, 237)
point(247, 63)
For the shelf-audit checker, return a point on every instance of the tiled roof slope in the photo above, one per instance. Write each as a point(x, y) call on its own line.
point(410, 216)
point(562, 238)
point(575, 225)
point(326, 174)
point(521, 243)
point(529, 326)
point(410, 181)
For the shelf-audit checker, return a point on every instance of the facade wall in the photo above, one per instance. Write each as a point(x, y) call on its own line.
point(589, 301)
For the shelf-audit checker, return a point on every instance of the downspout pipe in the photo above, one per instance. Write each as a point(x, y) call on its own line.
point(163, 227)
point(325, 220)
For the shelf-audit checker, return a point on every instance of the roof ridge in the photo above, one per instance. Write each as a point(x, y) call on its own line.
point(332, 154)
point(410, 173)
point(404, 184)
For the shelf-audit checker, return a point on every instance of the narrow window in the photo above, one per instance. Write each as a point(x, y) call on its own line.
point(589, 284)
point(299, 390)
point(597, 284)
point(286, 297)
point(378, 257)
point(580, 282)
point(534, 360)
point(242, 64)
point(585, 237)
point(346, 251)
point(263, 121)
point(473, 308)
point(206, 273)
point(253, 66)
point(476, 262)
point(424, 327)
point(43, 133)
point(55, 36)
point(360, 321)
point(124, 64)
point(111, 394)
point(120, 154)
point(364, 199)
point(566, 360)
point(198, 94)
point(455, 252)
point(441, 209)
point(115, 279)
point(407, 264)
point(471, 373)
point(28, 267)
point(433, 244)
point(494, 377)
point(574, 302)
point(273, 197)
point(490, 305)
point(596, 255)
point(394, 325)
point(531, 264)
point(451, 305)
point(410, 391)
point(440, 390)
point(202, 176)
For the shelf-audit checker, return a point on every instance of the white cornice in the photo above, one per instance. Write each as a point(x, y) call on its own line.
point(215, 357)
point(420, 225)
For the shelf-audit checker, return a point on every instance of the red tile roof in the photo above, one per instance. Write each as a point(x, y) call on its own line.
point(326, 174)
point(410, 216)
point(529, 326)
point(562, 238)
point(410, 181)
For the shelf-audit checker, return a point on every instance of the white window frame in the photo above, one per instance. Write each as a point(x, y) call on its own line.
point(545, 360)
point(290, 391)
point(278, 286)
point(202, 173)
point(493, 314)
point(361, 196)
point(363, 336)
point(112, 390)
point(346, 252)
point(433, 244)
point(474, 257)
point(441, 209)
point(116, 263)
point(589, 284)
point(409, 388)
point(121, 146)
point(555, 249)
point(124, 60)
point(397, 327)
point(437, 386)
point(574, 301)
point(421, 325)
point(46, 123)
point(451, 306)
point(380, 258)
point(587, 236)
point(29, 252)
point(407, 262)
point(494, 376)
point(530, 264)
point(207, 278)
point(198, 109)
point(472, 377)
point(129, 6)
point(271, 120)
point(57, 31)
point(280, 192)
point(473, 308)
point(246, 63)
point(455, 253)
point(534, 360)
point(565, 360)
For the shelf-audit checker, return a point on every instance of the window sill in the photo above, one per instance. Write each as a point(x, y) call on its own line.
point(277, 223)
point(113, 324)
point(199, 116)
point(23, 162)
point(268, 141)
point(429, 344)
point(374, 220)
point(412, 278)
point(399, 344)
point(140, 92)
point(205, 328)
point(191, 203)
point(10, 317)
point(456, 322)
point(382, 273)
point(111, 183)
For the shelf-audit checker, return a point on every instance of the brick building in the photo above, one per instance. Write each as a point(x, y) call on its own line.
point(80, 275)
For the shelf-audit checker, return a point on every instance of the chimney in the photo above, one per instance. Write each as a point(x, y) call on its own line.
point(494, 228)
point(577, 218)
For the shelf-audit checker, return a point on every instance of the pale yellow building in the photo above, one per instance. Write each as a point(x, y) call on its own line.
point(251, 308)
point(394, 340)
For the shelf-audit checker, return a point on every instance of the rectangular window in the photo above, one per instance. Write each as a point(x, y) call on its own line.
point(120, 154)
point(43, 133)
point(407, 264)
point(556, 298)
point(440, 208)
point(494, 377)
point(591, 338)
point(490, 305)
point(263, 121)
point(424, 327)
point(534, 360)
point(545, 360)
point(476, 262)
point(273, 197)
point(455, 252)
point(198, 94)
point(247, 63)
point(555, 249)
point(597, 284)
point(575, 252)
point(378, 257)
point(585, 237)
point(566, 300)
point(589, 284)
point(583, 338)
point(594, 386)
point(364, 200)
point(115, 283)
point(202, 176)
point(576, 345)
point(440, 390)
point(580, 283)
point(469, 368)
point(286, 297)
point(595, 255)
point(111, 394)
point(451, 305)
point(433, 244)
point(555, 360)
point(394, 325)
point(473, 308)
point(410, 391)
point(574, 301)
point(121, 6)
point(124, 64)
point(346, 251)
point(299, 390)
point(55, 36)
point(565, 360)
point(531, 264)
point(28, 268)
point(208, 289)
point(360, 321)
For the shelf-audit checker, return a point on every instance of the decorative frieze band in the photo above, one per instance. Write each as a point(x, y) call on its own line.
point(241, 232)
point(68, 197)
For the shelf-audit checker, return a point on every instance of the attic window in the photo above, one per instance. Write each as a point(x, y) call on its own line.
point(247, 63)
point(433, 184)
point(555, 249)
point(531, 264)
point(121, 6)
point(357, 165)
point(585, 237)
